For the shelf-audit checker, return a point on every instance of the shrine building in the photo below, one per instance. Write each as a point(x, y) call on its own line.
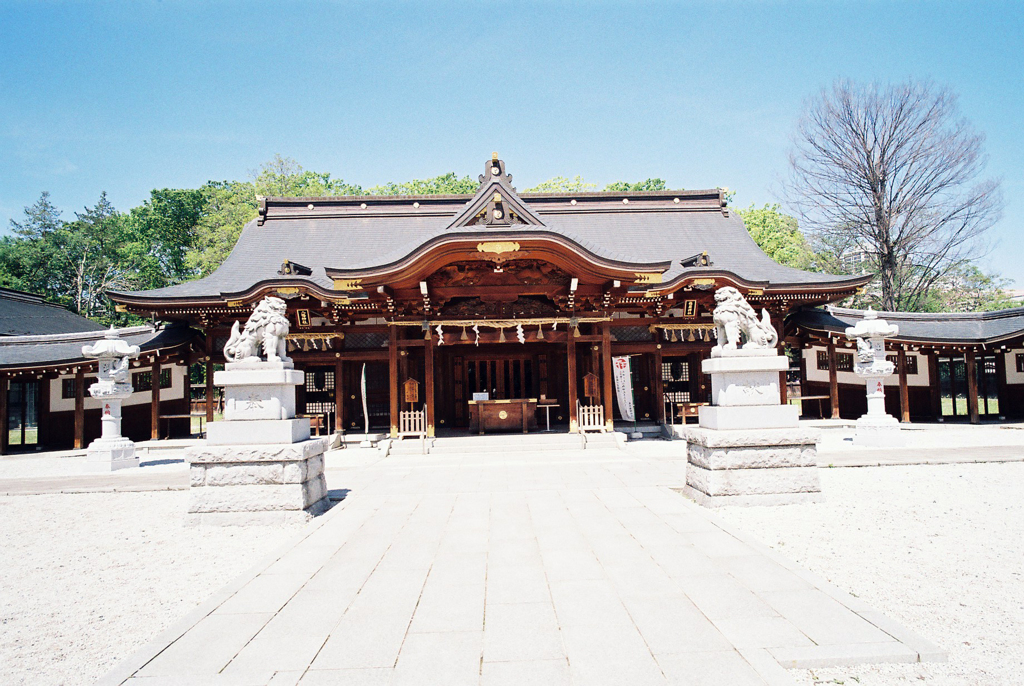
point(475, 312)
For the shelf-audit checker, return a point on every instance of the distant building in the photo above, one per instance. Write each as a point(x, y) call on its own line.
point(44, 378)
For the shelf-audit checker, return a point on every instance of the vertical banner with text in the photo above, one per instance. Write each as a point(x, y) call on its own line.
point(623, 386)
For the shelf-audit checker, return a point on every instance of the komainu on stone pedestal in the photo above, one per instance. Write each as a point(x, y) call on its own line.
point(748, 448)
point(259, 465)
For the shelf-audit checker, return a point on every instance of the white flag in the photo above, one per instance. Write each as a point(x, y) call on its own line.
point(623, 386)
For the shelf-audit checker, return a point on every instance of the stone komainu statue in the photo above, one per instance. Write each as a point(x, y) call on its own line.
point(734, 317)
point(267, 327)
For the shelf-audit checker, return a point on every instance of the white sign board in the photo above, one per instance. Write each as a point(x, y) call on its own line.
point(481, 396)
point(623, 387)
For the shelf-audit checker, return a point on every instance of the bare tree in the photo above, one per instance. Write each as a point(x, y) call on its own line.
point(894, 171)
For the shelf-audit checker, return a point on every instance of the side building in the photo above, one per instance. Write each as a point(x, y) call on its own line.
point(446, 303)
point(44, 378)
point(949, 366)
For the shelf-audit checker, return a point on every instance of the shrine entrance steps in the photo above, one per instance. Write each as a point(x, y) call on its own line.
point(506, 443)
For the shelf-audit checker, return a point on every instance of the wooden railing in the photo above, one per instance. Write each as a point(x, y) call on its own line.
point(414, 423)
point(590, 417)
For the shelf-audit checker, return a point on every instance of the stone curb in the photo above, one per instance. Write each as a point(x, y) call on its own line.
point(127, 667)
point(907, 646)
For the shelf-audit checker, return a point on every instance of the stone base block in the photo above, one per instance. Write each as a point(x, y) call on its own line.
point(742, 378)
point(260, 392)
point(749, 417)
point(758, 467)
point(258, 431)
point(879, 432)
point(111, 454)
point(256, 484)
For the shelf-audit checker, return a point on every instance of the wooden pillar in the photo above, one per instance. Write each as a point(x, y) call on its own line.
point(339, 396)
point(79, 409)
point(901, 365)
point(428, 382)
point(209, 375)
point(779, 323)
point(4, 385)
point(606, 375)
point(833, 379)
point(154, 406)
point(934, 388)
point(393, 378)
point(972, 387)
point(659, 385)
point(570, 352)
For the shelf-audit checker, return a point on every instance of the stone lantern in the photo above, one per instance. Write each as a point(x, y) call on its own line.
point(876, 428)
point(111, 450)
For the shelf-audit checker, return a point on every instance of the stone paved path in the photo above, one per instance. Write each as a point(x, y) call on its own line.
point(574, 567)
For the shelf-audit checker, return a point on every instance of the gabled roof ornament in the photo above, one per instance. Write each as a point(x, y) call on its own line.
point(496, 204)
point(495, 169)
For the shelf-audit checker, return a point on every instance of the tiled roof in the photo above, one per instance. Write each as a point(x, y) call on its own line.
point(25, 314)
point(970, 327)
point(354, 233)
point(57, 349)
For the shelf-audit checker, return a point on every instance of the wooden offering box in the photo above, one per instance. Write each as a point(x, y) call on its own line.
point(503, 415)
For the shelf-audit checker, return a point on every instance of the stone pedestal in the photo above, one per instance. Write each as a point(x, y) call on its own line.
point(256, 484)
point(752, 467)
point(259, 465)
point(111, 454)
point(748, 448)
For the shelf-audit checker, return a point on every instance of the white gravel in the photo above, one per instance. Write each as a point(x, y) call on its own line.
point(87, 579)
point(940, 548)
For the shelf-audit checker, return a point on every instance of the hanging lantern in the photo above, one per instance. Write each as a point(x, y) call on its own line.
point(540, 332)
point(463, 337)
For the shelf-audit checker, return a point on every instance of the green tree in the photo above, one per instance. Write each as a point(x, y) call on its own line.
point(445, 184)
point(24, 256)
point(283, 177)
point(968, 289)
point(229, 206)
point(778, 235)
point(161, 233)
point(645, 185)
point(560, 184)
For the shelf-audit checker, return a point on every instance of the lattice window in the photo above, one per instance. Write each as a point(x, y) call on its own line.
point(823, 360)
point(319, 380)
point(142, 381)
point(165, 378)
point(631, 334)
point(911, 363)
point(675, 376)
point(1020, 362)
point(366, 340)
point(844, 362)
point(67, 389)
point(319, 407)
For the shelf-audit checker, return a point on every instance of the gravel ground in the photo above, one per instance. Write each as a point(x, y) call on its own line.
point(87, 579)
point(939, 548)
point(48, 464)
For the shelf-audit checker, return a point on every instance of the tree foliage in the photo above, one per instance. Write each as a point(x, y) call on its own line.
point(283, 177)
point(445, 184)
point(560, 184)
point(894, 170)
point(968, 289)
point(645, 185)
point(778, 235)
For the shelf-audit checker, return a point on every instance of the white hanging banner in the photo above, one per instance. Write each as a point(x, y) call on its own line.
point(623, 386)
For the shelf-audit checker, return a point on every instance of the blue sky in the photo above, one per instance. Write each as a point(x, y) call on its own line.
point(126, 97)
